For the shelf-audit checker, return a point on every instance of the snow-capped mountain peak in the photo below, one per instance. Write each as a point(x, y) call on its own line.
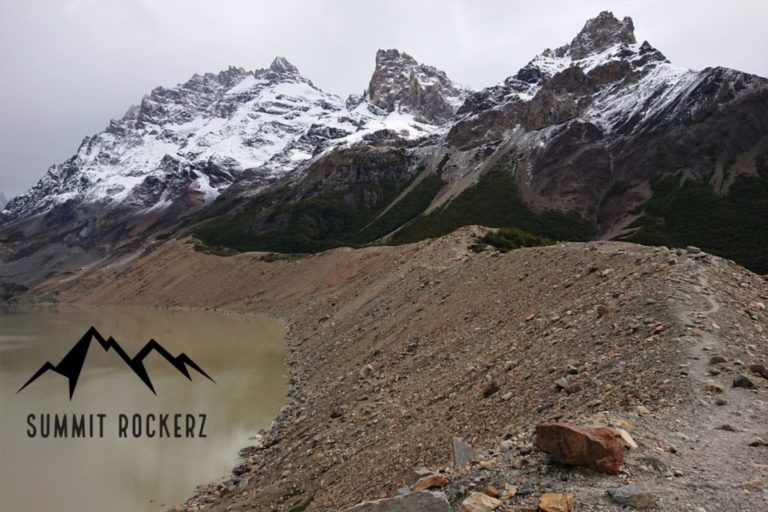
point(281, 65)
point(202, 135)
point(599, 34)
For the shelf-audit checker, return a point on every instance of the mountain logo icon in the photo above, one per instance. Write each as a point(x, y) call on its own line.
point(71, 364)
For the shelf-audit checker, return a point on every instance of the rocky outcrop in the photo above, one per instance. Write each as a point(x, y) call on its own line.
point(399, 83)
point(599, 34)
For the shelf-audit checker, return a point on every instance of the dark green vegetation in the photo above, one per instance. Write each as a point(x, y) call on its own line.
point(278, 222)
point(495, 202)
point(407, 208)
point(734, 226)
point(328, 219)
point(507, 239)
point(351, 214)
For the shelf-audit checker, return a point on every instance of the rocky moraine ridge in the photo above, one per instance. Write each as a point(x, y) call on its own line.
point(436, 377)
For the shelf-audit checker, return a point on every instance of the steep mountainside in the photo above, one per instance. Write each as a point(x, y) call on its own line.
point(203, 135)
point(182, 147)
point(600, 138)
point(582, 142)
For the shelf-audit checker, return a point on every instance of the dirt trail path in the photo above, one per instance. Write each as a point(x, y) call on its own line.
point(723, 420)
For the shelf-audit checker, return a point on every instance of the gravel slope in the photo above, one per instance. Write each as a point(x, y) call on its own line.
point(390, 349)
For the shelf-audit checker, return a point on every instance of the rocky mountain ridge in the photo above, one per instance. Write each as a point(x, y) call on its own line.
point(203, 135)
point(600, 138)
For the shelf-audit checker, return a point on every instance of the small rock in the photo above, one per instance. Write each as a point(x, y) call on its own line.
point(524, 490)
point(491, 491)
point(463, 454)
point(717, 360)
point(556, 502)
point(510, 490)
point(489, 387)
point(642, 410)
point(507, 445)
point(727, 428)
point(721, 401)
point(478, 502)
point(366, 371)
point(692, 249)
point(758, 441)
point(422, 501)
point(759, 369)
point(430, 482)
point(525, 450)
point(603, 311)
point(417, 474)
point(575, 387)
point(714, 388)
point(628, 441)
point(635, 496)
point(507, 396)
point(742, 381)
point(752, 485)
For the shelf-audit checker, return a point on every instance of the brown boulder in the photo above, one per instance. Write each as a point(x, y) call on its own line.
point(479, 502)
point(554, 502)
point(430, 482)
point(598, 448)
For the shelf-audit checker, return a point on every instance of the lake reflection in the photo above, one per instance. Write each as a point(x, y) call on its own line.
point(244, 355)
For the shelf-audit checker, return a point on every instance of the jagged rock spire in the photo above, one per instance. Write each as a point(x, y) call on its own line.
point(281, 65)
point(399, 82)
point(600, 33)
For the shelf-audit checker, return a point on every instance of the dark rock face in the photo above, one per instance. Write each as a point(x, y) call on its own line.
point(399, 82)
point(600, 33)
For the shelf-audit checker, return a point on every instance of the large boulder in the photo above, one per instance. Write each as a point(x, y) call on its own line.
point(598, 448)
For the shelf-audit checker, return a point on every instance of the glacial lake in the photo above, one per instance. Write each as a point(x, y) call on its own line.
point(147, 455)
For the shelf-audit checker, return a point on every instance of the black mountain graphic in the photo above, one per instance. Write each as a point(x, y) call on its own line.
point(72, 363)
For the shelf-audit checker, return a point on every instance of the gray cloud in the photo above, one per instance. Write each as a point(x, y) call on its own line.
point(68, 66)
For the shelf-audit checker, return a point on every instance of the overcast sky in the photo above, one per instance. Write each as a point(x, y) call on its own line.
point(68, 66)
